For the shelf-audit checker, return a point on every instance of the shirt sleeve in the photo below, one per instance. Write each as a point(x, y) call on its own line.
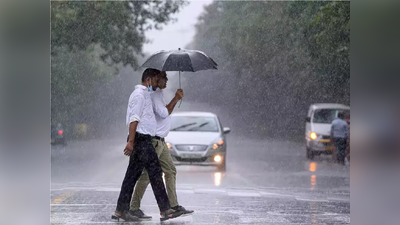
point(158, 106)
point(136, 104)
point(346, 130)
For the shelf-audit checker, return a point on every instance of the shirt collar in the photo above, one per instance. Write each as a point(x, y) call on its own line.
point(140, 86)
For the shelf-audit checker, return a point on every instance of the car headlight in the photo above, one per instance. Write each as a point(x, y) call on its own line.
point(169, 145)
point(218, 144)
point(217, 158)
point(313, 136)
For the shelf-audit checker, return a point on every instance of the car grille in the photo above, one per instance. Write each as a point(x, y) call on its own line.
point(326, 137)
point(203, 159)
point(191, 148)
point(326, 144)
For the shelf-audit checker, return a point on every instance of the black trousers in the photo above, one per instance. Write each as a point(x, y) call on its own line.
point(143, 156)
point(340, 146)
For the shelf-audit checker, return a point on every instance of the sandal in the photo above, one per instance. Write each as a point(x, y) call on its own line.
point(170, 214)
point(126, 216)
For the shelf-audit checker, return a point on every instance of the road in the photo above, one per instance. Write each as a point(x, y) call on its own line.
point(266, 182)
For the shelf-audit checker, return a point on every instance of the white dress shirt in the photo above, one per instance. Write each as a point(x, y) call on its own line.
point(140, 109)
point(161, 112)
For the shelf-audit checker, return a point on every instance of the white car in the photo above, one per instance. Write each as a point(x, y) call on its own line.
point(318, 127)
point(197, 138)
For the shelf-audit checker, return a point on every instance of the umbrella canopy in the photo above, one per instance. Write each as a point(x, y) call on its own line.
point(180, 60)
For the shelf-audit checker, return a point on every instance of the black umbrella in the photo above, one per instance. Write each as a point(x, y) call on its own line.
point(180, 60)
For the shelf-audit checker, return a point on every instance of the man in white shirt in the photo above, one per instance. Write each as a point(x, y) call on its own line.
point(142, 127)
point(339, 135)
point(162, 113)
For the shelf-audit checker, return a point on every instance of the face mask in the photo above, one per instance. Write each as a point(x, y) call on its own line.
point(150, 88)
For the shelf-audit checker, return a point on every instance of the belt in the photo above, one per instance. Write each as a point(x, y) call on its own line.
point(139, 135)
point(159, 138)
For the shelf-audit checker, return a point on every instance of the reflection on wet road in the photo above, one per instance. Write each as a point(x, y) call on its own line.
point(263, 184)
point(266, 182)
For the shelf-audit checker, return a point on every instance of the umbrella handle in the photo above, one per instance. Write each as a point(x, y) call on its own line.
point(180, 87)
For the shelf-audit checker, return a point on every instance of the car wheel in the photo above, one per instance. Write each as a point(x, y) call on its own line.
point(310, 154)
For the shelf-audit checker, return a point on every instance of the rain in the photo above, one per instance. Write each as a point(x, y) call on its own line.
point(279, 65)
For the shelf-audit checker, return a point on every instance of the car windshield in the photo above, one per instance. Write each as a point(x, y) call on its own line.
point(326, 115)
point(194, 123)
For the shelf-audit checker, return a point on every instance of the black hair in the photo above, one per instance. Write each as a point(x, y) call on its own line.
point(149, 73)
point(340, 115)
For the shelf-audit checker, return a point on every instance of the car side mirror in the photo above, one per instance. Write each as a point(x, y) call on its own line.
point(308, 120)
point(227, 130)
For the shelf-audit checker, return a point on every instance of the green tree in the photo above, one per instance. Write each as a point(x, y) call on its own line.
point(75, 76)
point(117, 26)
point(269, 69)
point(328, 38)
point(87, 39)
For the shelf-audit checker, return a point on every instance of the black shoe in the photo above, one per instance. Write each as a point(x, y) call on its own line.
point(125, 215)
point(140, 214)
point(170, 214)
point(182, 209)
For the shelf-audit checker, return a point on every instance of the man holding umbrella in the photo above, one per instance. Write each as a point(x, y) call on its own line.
point(142, 127)
point(162, 113)
point(175, 60)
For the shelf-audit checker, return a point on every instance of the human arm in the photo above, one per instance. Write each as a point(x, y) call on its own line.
point(331, 134)
point(129, 145)
point(136, 105)
point(178, 96)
